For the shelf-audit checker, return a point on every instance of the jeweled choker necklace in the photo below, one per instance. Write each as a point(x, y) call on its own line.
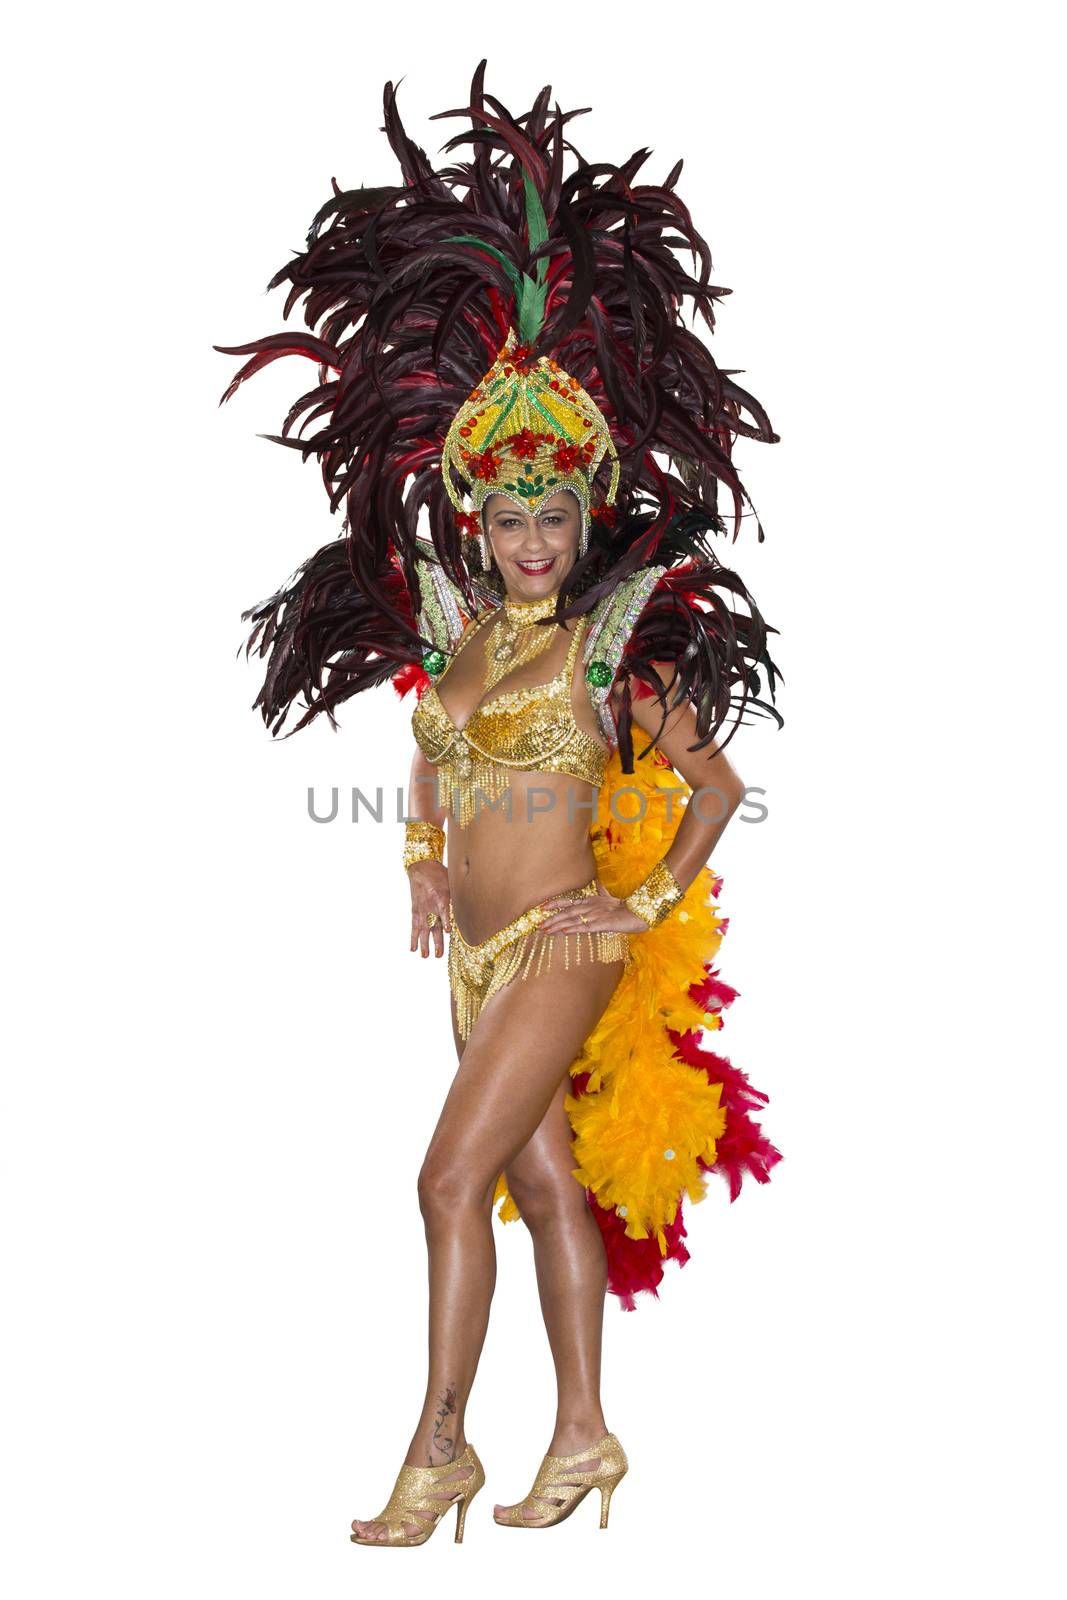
point(522, 612)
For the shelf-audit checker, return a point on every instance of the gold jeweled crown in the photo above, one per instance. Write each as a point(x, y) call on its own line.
point(527, 430)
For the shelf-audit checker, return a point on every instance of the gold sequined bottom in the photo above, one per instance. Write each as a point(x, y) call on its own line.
point(477, 971)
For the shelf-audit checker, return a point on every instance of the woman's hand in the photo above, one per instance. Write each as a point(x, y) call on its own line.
point(429, 893)
point(588, 915)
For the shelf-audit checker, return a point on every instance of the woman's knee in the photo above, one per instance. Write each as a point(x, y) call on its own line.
point(447, 1185)
point(547, 1199)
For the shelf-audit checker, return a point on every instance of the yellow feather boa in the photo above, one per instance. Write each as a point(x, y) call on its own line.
point(644, 1117)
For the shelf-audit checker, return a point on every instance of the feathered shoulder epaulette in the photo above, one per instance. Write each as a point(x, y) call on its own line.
point(699, 625)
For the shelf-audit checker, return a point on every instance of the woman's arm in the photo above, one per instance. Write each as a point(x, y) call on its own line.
point(428, 879)
point(717, 788)
point(717, 793)
point(422, 791)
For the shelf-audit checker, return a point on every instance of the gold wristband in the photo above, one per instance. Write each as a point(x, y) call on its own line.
point(423, 841)
point(656, 898)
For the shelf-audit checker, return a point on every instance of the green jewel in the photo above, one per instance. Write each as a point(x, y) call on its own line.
point(599, 674)
point(434, 661)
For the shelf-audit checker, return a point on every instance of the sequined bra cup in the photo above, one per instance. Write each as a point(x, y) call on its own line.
point(526, 730)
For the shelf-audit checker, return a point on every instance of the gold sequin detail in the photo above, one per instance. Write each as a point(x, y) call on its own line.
point(423, 841)
point(477, 971)
point(431, 1489)
point(561, 1485)
point(528, 730)
point(657, 896)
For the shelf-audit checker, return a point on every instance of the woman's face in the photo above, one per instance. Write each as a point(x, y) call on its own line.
point(534, 553)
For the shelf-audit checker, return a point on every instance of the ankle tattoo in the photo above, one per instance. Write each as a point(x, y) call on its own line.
point(444, 1434)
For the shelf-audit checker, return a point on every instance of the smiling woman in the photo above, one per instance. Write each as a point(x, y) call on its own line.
point(534, 553)
point(530, 449)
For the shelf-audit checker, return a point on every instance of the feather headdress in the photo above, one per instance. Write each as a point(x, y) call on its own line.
point(475, 287)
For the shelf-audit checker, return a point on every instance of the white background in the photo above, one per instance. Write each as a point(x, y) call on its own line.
point(223, 1064)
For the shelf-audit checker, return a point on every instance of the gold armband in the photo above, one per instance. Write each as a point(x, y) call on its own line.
point(656, 898)
point(423, 841)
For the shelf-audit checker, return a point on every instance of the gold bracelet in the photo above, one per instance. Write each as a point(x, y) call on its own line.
point(656, 898)
point(423, 841)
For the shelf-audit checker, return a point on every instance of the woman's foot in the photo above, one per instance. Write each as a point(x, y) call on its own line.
point(450, 1486)
point(437, 1440)
point(567, 1440)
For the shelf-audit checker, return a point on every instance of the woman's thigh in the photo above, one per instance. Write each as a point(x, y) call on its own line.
point(541, 1177)
point(543, 1171)
point(512, 1067)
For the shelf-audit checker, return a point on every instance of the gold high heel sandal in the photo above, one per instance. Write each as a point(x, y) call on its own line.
point(559, 1480)
point(427, 1492)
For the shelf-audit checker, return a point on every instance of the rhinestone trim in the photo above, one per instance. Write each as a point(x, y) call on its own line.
point(611, 627)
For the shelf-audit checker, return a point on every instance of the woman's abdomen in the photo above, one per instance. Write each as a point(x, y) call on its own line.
point(507, 860)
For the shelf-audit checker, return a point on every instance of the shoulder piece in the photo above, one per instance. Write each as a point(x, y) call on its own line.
point(606, 638)
point(443, 610)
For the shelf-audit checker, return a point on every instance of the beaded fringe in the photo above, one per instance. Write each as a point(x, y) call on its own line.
point(485, 782)
point(474, 979)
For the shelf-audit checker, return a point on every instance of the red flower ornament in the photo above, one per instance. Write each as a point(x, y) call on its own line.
point(524, 444)
point(486, 465)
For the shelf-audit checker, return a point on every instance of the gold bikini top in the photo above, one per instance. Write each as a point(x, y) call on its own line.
point(528, 730)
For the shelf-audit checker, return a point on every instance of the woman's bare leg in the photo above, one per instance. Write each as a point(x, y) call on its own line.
point(572, 1276)
point(511, 1070)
